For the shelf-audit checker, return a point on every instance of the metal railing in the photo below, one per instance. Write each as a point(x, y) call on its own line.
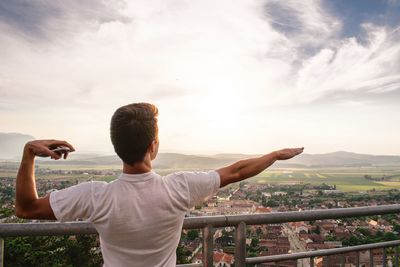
point(239, 222)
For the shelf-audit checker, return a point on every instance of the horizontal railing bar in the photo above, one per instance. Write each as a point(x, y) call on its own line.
point(311, 215)
point(74, 228)
point(46, 229)
point(321, 252)
point(203, 221)
point(190, 265)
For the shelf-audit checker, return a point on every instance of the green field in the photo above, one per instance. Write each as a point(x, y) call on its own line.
point(345, 179)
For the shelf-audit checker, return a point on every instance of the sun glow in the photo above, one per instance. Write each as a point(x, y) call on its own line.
point(222, 106)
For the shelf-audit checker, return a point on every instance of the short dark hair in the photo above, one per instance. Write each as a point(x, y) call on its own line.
point(133, 129)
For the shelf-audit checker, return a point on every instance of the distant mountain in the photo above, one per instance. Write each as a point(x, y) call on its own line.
point(163, 161)
point(12, 144)
point(181, 161)
point(343, 158)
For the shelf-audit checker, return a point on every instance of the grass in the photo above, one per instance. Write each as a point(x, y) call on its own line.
point(390, 183)
point(345, 179)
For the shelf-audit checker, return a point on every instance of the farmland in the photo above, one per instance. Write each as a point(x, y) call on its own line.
point(345, 178)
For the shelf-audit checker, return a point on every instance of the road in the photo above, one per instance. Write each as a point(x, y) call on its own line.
point(295, 245)
point(229, 197)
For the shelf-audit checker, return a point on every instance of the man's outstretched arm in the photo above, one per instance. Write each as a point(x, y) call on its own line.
point(244, 169)
point(27, 203)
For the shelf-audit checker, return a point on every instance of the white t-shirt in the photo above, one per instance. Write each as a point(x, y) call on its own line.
point(139, 217)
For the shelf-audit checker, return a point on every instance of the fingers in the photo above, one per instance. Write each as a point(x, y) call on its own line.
point(63, 143)
point(299, 150)
point(57, 156)
point(52, 154)
point(288, 153)
point(68, 145)
point(292, 152)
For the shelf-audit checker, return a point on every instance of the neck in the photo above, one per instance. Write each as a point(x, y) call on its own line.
point(138, 167)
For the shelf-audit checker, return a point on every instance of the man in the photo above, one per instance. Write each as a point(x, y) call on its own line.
point(139, 216)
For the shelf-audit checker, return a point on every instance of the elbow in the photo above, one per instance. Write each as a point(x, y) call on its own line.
point(22, 213)
point(19, 213)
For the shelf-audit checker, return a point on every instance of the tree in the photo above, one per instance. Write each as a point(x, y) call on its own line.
point(182, 254)
point(263, 201)
point(330, 238)
point(364, 232)
point(193, 234)
point(254, 242)
point(317, 230)
point(259, 231)
point(272, 203)
point(389, 236)
point(54, 251)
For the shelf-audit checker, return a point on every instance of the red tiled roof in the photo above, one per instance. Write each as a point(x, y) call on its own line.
point(263, 209)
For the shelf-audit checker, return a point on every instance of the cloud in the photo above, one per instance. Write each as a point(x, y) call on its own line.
point(306, 23)
point(394, 2)
point(43, 19)
point(351, 66)
point(82, 59)
point(284, 52)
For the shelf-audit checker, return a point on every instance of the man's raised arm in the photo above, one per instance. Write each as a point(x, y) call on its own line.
point(27, 203)
point(244, 169)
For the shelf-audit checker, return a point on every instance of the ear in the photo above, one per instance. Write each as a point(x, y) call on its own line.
point(153, 149)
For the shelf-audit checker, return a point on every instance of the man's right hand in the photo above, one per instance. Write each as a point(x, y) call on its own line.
point(43, 147)
point(288, 153)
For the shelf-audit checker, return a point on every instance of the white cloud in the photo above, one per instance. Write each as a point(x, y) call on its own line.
point(307, 23)
point(350, 65)
point(191, 58)
point(394, 2)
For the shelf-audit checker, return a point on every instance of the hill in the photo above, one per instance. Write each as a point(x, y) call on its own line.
point(181, 161)
point(12, 144)
point(343, 158)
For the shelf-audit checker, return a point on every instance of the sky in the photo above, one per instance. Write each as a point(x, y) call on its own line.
point(228, 76)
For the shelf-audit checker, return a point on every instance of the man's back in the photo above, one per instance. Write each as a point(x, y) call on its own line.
point(138, 216)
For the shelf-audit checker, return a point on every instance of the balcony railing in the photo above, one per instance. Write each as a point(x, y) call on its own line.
point(239, 222)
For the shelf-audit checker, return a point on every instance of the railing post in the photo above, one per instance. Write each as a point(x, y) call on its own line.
point(384, 260)
point(357, 258)
point(371, 258)
point(208, 236)
point(1, 252)
point(343, 260)
point(396, 255)
point(240, 245)
point(326, 260)
point(311, 262)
